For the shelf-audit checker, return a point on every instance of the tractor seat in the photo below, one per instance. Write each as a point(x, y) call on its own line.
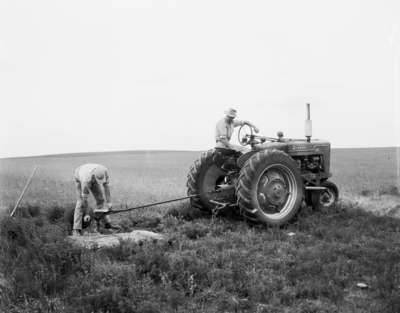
point(228, 152)
point(226, 158)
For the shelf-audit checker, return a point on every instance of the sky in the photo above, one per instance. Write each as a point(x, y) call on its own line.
point(78, 76)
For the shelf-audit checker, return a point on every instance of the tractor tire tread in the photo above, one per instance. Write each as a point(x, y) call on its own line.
point(247, 175)
point(192, 177)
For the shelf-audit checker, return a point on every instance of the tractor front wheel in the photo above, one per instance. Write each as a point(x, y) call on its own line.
point(325, 199)
point(270, 188)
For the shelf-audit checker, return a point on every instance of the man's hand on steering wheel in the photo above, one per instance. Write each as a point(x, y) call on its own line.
point(247, 137)
point(245, 134)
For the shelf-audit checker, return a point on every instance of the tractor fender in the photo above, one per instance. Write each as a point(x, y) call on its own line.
point(261, 147)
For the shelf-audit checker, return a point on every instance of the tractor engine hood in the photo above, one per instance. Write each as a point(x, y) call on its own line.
point(271, 145)
point(295, 146)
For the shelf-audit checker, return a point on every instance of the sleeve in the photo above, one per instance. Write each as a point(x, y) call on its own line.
point(237, 123)
point(76, 174)
point(78, 188)
point(107, 177)
point(106, 186)
point(107, 195)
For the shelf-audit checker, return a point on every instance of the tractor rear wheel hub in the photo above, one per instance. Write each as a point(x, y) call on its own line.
point(275, 192)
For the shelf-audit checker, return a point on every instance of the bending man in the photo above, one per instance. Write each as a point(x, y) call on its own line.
point(91, 178)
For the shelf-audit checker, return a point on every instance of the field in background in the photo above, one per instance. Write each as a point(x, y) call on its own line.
point(136, 177)
point(141, 177)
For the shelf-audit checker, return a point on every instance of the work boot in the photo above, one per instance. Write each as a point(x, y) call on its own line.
point(76, 233)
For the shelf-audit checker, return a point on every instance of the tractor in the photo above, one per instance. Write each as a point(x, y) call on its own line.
point(269, 182)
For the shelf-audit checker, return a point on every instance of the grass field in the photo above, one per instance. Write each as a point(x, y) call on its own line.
point(209, 265)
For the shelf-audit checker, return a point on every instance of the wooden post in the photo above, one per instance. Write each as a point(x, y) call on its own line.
point(28, 182)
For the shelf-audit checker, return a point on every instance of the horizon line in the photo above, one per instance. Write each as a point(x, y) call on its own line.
point(149, 150)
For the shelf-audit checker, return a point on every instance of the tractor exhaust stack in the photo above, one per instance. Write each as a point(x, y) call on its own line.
point(308, 124)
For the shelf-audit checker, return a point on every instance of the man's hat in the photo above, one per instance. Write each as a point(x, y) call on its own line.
point(100, 176)
point(231, 112)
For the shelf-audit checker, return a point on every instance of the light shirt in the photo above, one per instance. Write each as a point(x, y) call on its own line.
point(89, 172)
point(224, 130)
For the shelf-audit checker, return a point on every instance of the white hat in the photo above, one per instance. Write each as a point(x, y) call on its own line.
point(100, 175)
point(231, 112)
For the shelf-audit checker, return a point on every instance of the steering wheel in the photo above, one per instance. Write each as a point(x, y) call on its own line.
point(245, 138)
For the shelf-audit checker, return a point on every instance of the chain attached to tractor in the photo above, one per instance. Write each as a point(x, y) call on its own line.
point(99, 214)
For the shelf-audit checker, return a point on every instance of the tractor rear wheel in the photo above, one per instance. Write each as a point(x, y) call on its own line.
point(204, 177)
point(325, 199)
point(270, 188)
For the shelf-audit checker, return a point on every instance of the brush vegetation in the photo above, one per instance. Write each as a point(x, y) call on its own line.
point(209, 264)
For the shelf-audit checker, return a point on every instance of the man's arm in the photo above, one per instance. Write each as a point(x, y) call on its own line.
point(241, 123)
point(107, 194)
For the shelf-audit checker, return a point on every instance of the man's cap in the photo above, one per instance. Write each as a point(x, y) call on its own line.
point(100, 176)
point(231, 112)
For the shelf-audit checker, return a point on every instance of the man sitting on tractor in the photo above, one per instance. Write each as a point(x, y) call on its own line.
point(225, 128)
point(92, 178)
